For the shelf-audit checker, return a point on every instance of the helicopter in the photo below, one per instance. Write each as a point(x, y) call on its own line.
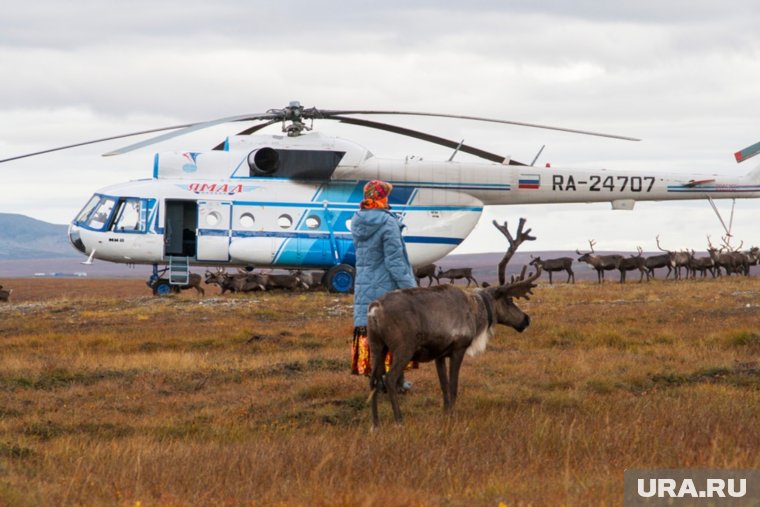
point(286, 200)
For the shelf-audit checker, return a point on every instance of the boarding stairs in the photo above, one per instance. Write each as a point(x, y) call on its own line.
point(179, 270)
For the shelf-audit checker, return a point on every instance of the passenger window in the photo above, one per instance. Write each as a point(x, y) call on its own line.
point(313, 222)
point(285, 221)
point(247, 220)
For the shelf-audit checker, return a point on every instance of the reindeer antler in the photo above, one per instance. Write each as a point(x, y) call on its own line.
point(657, 238)
point(591, 243)
point(514, 244)
point(520, 287)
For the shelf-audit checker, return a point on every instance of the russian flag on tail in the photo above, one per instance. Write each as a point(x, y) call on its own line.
point(529, 181)
point(747, 152)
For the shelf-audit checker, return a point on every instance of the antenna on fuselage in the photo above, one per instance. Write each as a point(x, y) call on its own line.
point(538, 154)
point(456, 150)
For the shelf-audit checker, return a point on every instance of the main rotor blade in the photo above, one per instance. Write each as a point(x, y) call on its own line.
point(192, 127)
point(249, 130)
point(85, 143)
point(331, 113)
point(426, 137)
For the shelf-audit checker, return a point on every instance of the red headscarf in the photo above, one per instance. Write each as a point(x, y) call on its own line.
point(376, 195)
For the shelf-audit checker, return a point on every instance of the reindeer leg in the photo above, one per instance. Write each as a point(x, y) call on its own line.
point(440, 367)
point(377, 353)
point(454, 364)
point(400, 359)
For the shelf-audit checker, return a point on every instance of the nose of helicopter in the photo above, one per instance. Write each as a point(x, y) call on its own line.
point(76, 239)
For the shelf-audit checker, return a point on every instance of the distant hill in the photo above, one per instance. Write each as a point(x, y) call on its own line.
point(23, 238)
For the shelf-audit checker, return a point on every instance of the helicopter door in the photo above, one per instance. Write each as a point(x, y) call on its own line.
point(180, 228)
point(214, 219)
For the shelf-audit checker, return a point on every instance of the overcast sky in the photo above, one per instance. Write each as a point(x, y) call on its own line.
point(682, 75)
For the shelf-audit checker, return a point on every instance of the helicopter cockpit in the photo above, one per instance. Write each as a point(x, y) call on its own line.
point(105, 213)
point(117, 214)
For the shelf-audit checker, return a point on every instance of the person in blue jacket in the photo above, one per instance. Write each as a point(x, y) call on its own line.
point(382, 264)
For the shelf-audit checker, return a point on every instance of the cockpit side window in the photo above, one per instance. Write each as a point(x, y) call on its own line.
point(102, 213)
point(130, 216)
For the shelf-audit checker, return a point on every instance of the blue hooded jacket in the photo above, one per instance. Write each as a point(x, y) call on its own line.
point(382, 264)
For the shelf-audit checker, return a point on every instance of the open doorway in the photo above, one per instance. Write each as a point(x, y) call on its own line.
point(180, 228)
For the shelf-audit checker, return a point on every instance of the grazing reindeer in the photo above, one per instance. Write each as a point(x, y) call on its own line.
point(242, 281)
point(551, 265)
point(221, 278)
point(634, 262)
point(678, 260)
point(311, 280)
point(426, 324)
point(658, 261)
point(600, 263)
point(426, 271)
point(729, 261)
point(701, 264)
point(456, 274)
point(288, 282)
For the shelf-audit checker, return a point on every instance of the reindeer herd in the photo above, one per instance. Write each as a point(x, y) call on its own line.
point(250, 281)
point(719, 261)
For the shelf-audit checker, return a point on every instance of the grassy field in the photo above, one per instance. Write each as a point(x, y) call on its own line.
point(109, 396)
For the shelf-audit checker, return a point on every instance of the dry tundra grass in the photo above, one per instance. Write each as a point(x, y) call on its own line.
point(113, 397)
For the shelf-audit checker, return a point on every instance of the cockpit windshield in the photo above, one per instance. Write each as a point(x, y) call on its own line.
point(117, 214)
point(82, 216)
point(102, 213)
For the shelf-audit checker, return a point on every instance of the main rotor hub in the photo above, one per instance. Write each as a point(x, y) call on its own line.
point(294, 114)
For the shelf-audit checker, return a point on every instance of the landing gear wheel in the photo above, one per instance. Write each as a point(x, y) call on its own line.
point(163, 288)
point(340, 279)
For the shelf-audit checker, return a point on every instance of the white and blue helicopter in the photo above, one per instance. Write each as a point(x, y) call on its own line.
point(286, 200)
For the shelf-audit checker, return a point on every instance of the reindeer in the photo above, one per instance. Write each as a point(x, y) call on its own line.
point(600, 263)
point(5, 294)
point(701, 264)
point(633, 262)
point(740, 259)
point(457, 273)
point(435, 323)
point(311, 280)
point(426, 271)
point(754, 256)
point(678, 260)
point(242, 281)
point(220, 277)
point(551, 265)
point(731, 261)
point(658, 261)
point(193, 282)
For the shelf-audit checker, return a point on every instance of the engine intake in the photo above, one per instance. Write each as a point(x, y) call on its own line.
point(263, 162)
